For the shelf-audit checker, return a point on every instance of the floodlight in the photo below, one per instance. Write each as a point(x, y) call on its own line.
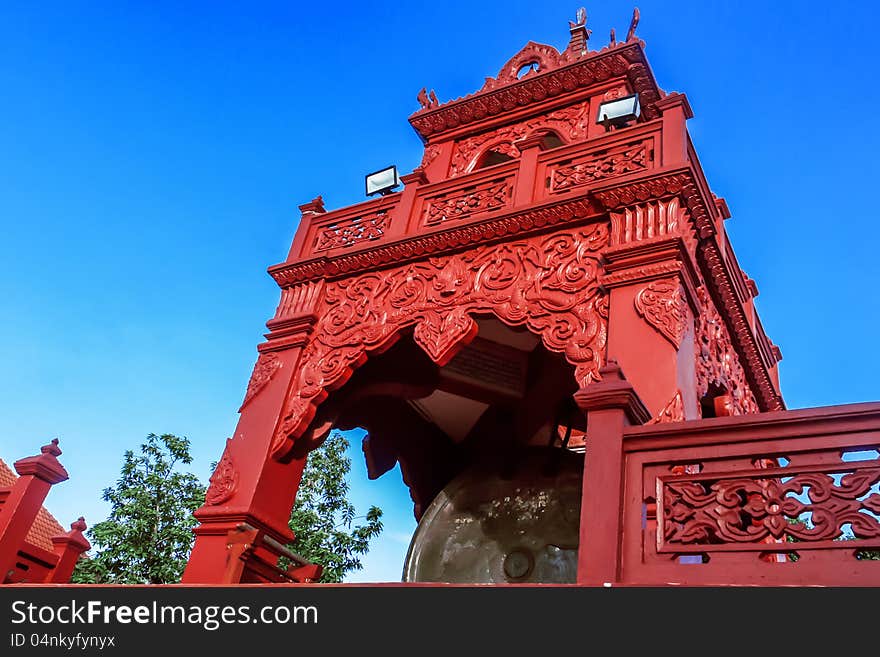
point(619, 112)
point(382, 181)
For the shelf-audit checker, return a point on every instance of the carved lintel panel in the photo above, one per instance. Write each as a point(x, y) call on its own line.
point(348, 232)
point(460, 203)
point(224, 480)
point(264, 369)
point(752, 506)
point(717, 360)
point(564, 177)
point(547, 283)
point(672, 412)
point(663, 306)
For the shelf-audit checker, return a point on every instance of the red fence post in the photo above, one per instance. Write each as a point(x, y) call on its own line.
point(69, 547)
point(37, 474)
point(610, 405)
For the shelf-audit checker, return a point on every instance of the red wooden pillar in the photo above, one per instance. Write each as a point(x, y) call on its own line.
point(37, 474)
point(250, 488)
point(610, 404)
point(529, 149)
point(68, 547)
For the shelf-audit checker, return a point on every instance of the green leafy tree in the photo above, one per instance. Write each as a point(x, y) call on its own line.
point(323, 519)
point(148, 537)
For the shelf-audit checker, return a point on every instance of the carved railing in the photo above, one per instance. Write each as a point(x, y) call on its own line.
point(342, 231)
point(471, 196)
point(569, 169)
point(779, 498)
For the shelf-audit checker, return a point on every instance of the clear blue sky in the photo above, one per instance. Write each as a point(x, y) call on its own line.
point(153, 155)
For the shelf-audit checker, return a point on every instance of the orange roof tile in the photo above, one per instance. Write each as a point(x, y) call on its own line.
point(45, 525)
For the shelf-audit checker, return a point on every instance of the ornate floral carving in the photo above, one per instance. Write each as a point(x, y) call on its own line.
point(672, 412)
point(224, 480)
point(545, 283)
point(717, 361)
point(663, 306)
point(431, 151)
point(570, 122)
point(470, 200)
point(349, 232)
point(752, 507)
point(264, 369)
point(571, 175)
point(640, 192)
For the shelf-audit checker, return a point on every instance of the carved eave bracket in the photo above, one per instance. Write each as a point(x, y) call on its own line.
point(295, 316)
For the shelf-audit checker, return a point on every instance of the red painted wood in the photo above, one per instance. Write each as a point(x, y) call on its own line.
point(608, 245)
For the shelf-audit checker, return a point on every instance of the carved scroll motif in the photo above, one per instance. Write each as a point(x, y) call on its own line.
point(546, 283)
point(614, 164)
point(264, 369)
point(224, 480)
point(717, 360)
point(672, 412)
point(663, 306)
point(570, 122)
point(461, 203)
point(351, 231)
point(753, 506)
point(431, 151)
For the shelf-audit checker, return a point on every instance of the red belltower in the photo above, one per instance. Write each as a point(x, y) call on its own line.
point(557, 266)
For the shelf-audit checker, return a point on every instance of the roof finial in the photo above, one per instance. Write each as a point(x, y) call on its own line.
point(613, 39)
point(580, 35)
point(427, 100)
point(52, 448)
point(631, 34)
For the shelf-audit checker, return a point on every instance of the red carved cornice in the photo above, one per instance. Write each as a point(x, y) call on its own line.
point(558, 75)
point(528, 220)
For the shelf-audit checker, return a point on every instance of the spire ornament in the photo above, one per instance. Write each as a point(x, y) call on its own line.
point(580, 35)
point(631, 33)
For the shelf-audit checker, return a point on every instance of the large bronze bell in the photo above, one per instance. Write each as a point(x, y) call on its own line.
point(513, 519)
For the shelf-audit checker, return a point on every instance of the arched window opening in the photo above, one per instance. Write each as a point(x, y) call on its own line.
point(492, 157)
point(525, 69)
point(552, 140)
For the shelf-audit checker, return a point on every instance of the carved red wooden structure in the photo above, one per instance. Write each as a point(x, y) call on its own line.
point(33, 546)
point(537, 254)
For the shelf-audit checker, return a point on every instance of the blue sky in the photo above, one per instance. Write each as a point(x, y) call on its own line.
point(153, 155)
